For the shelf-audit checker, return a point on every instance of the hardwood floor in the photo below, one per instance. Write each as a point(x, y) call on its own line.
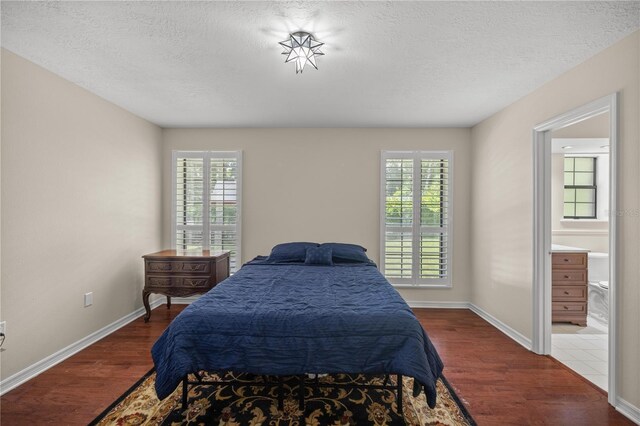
point(75, 391)
point(500, 382)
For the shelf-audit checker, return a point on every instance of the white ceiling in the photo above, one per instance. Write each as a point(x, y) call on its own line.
point(580, 145)
point(387, 64)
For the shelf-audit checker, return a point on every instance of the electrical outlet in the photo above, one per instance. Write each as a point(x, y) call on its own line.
point(88, 299)
point(3, 327)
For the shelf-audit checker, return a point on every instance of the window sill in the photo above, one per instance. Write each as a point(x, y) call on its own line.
point(422, 286)
point(584, 220)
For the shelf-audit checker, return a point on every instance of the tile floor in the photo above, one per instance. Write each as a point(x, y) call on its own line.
point(583, 349)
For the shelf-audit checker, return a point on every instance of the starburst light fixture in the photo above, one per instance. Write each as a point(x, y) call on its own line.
point(301, 47)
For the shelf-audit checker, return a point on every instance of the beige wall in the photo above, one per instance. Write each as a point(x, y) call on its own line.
point(594, 127)
point(80, 204)
point(502, 182)
point(323, 185)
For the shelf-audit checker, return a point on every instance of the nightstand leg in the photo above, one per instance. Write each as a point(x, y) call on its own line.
point(168, 302)
point(145, 301)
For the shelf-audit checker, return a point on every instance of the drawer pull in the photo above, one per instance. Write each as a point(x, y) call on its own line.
point(566, 276)
point(565, 259)
point(565, 307)
point(566, 292)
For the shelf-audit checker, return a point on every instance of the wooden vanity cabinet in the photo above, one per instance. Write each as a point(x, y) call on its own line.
point(569, 284)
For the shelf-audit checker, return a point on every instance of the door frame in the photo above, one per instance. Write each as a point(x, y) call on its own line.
point(541, 342)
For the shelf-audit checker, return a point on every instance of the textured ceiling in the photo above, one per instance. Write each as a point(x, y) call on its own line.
point(387, 64)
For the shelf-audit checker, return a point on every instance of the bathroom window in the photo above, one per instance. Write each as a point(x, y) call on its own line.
point(580, 190)
point(416, 214)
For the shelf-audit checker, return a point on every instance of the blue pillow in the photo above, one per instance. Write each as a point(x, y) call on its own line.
point(290, 252)
point(347, 253)
point(318, 256)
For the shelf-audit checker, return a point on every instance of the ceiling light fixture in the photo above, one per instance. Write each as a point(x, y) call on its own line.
point(567, 147)
point(301, 47)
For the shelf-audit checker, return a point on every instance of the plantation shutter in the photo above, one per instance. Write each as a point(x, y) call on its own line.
point(416, 212)
point(189, 190)
point(223, 201)
point(398, 242)
point(206, 202)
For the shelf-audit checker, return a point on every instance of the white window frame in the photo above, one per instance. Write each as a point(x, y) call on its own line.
point(595, 187)
point(602, 184)
point(415, 281)
point(206, 225)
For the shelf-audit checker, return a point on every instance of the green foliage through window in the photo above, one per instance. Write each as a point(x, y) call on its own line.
point(416, 205)
point(580, 188)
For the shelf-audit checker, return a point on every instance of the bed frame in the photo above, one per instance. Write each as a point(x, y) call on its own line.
point(315, 384)
point(173, 365)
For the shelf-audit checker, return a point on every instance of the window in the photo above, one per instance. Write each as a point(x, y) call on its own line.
point(206, 202)
point(416, 208)
point(580, 189)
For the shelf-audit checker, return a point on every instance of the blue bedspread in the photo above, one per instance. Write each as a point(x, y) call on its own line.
point(286, 319)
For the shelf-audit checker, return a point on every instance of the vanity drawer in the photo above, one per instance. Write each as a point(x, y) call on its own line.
point(569, 307)
point(569, 298)
point(575, 275)
point(569, 260)
point(178, 266)
point(569, 293)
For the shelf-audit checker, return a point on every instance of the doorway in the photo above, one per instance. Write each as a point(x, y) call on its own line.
point(574, 210)
point(580, 231)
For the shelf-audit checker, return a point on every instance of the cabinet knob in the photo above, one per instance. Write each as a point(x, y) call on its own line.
point(566, 292)
point(566, 276)
point(565, 307)
point(566, 260)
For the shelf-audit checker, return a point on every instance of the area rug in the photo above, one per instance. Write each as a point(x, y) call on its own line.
point(239, 404)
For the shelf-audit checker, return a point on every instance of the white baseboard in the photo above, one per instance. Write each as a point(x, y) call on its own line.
point(32, 371)
point(513, 334)
point(624, 407)
point(510, 332)
point(580, 232)
point(440, 305)
point(628, 410)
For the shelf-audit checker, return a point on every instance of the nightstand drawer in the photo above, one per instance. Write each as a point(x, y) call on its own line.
point(193, 266)
point(569, 307)
point(569, 293)
point(579, 276)
point(178, 273)
point(164, 282)
point(569, 260)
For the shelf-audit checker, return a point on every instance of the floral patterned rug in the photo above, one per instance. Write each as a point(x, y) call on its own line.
point(254, 405)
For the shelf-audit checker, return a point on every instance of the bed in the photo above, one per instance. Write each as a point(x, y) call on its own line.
point(296, 314)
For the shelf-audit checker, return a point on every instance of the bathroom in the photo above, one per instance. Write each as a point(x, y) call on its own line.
point(580, 190)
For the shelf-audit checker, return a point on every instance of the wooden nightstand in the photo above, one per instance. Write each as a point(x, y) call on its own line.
point(182, 273)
